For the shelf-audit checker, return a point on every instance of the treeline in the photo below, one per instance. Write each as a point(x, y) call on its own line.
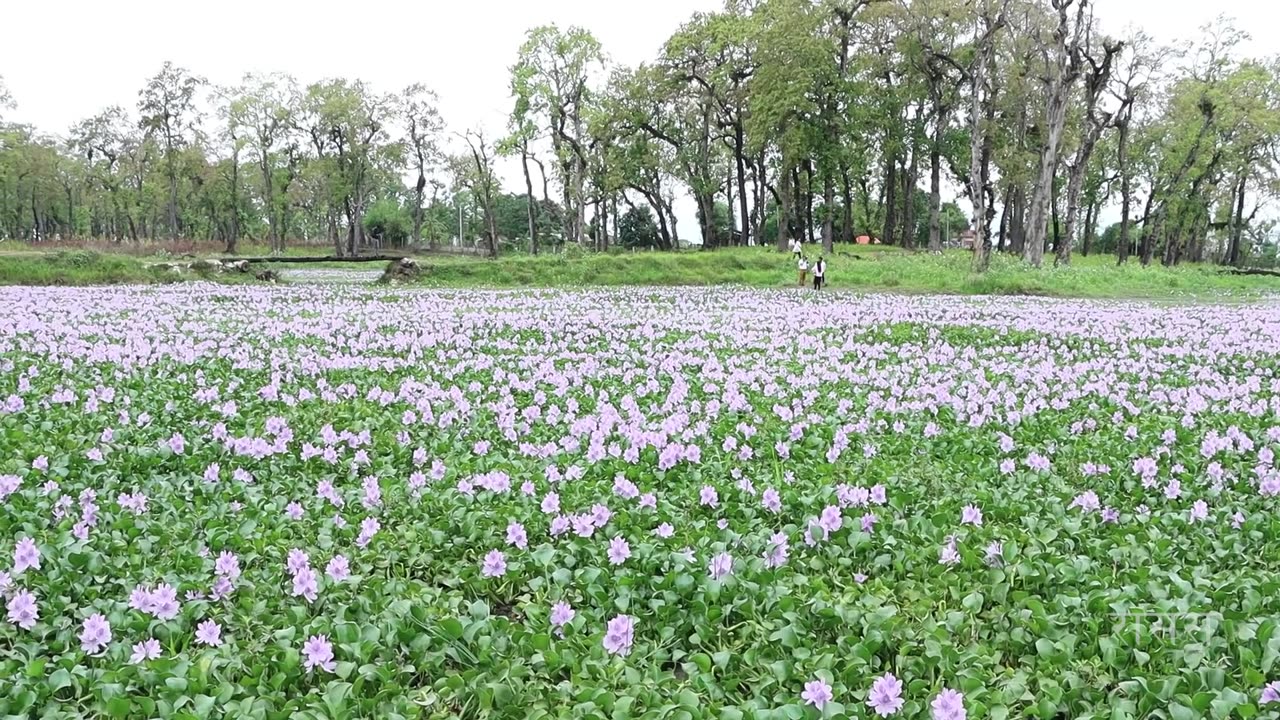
point(780, 118)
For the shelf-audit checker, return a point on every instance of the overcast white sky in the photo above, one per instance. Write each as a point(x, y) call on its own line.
point(64, 60)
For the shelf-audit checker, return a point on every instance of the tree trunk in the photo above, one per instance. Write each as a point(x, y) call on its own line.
point(909, 237)
point(890, 198)
point(847, 188)
point(1126, 193)
point(739, 149)
point(532, 202)
point(1237, 223)
point(1090, 228)
point(828, 213)
point(935, 194)
point(784, 206)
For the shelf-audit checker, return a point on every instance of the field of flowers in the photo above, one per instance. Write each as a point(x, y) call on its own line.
point(333, 502)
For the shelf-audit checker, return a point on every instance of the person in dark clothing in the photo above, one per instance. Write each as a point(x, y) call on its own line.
point(819, 273)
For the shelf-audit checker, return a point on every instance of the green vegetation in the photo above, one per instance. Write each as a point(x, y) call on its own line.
point(78, 268)
point(873, 269)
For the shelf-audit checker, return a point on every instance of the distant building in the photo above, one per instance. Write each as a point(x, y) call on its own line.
point(967, 237)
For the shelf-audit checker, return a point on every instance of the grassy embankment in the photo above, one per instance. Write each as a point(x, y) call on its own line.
point(873, 269)
point(862, 269)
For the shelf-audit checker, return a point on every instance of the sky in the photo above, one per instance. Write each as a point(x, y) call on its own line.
point(64, 60)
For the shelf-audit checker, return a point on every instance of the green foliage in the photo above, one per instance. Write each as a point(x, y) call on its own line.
point(389, 222)
point(637, 229)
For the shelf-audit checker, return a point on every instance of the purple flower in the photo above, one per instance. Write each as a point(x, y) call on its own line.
point(619, 550)
point(995, 553)
point(708, 496)
point(148, 649)
point(227, 565)
point(338, 568)
point(1270, 693)
point(869, 522)
point(664, 530)
point(95, 634)
point(26, 555)
point(209, 633)
point(495, 564)
point(22, 610)
point(817, 693)
point(720, 566)
point(305, 584)
point(971, 515)
point(948, 554)
point(1199, 511)
point(949, 705)
point(317, 652)
point(163, 602)
point(1237, 520)
point(561, 614)
point(878, 495)
point(1110, 515)
point(831, 520)
point(516, 535)
point(294, 511)
point(619, 635)
point(886, 695)
point(771, 500)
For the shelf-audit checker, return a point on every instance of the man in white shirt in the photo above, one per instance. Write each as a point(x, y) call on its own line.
point(803, 265)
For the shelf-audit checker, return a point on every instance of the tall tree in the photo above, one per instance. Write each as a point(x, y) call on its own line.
point(168, 112)
point(423, 127)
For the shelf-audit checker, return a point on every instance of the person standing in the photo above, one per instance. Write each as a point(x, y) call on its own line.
point(803, 265)
point(796, 248)
point(819, 273)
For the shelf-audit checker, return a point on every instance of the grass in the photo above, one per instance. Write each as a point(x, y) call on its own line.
point(861, 269)
point(76, 268)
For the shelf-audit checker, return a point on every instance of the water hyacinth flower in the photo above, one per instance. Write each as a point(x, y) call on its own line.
point(619, 550)
point(831, 520)
point(948, 705)
point(664, 531)
point(209, 633)
point(305, 584)
point(619, 635)
point(721, 566)
point(561, 614)
point(317, 652)
point(708, 496)
point(148, 649)
point(948, 555)
point(338, 568)
point(971, 515)
point(885, 697)
point(26, 556)
point(817, 693)
point(517, 536)
point(771, 500)
point(494, 565)
point(1199, 511)
point(1270, 693)
point(22, 610)
point(95, 634)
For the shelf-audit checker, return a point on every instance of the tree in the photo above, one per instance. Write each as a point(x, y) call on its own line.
point(266, 107)
point(474, 171)
point(423, 127)
point(1062, 53)
point(991, 17)
point(637, 229)
point(552, 76)
point(168, 112)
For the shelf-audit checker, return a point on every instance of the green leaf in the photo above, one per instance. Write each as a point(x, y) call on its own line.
point(59, 679)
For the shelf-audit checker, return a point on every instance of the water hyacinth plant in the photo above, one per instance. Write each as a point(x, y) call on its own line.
point(321, 502)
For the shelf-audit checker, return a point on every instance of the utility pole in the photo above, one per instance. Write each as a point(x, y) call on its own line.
point(459, 243)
